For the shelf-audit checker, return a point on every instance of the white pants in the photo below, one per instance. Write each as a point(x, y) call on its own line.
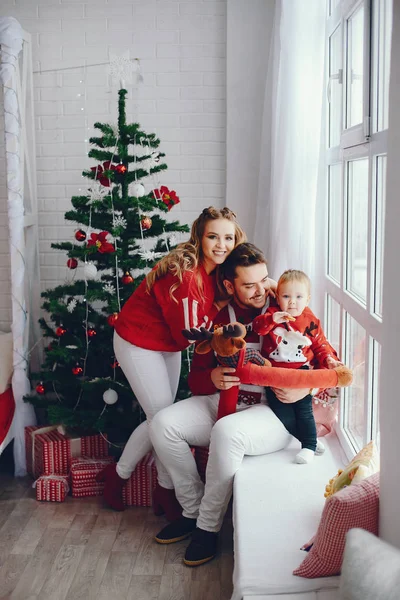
point(153, 377)
point(252, 431)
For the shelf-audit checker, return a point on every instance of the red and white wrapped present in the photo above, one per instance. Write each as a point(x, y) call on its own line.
point(139, 489)
point(49, 451)
point(51, 488)
point(83, 475)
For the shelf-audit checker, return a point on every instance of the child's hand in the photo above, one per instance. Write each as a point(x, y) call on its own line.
point(332, 363)
point(282, 317)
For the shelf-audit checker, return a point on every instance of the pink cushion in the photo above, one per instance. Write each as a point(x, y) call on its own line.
point(354, 506)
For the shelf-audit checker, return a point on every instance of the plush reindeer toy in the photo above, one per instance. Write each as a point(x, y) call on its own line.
point(230, 349)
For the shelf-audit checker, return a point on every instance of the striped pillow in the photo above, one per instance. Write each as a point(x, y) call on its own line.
point(354, 506)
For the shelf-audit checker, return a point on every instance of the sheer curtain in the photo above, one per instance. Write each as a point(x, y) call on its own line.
point(287, 218)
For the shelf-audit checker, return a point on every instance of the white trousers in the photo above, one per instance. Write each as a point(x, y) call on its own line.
point(154, 378)
point(252, 431)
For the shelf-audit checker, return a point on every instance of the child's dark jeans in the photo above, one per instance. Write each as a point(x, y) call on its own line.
point(297, 417)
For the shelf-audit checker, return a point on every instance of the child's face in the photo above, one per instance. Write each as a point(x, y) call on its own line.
point(293, 297)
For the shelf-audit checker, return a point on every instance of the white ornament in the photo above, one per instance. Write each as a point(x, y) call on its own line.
point(119, 220)
point(72, 305)
point(173, 240)
point(90, 271)
point(109, 289)
point(150, 254)
point(98, 192)
point(138, 190)
point(110, 396)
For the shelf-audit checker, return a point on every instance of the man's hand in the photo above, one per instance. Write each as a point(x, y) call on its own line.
point(223, 378)
point(288, 396)
point(282, 317)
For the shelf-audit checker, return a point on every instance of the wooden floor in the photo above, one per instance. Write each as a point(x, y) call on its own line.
point(79, 549)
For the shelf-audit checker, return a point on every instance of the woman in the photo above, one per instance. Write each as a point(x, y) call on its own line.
point(148, 341)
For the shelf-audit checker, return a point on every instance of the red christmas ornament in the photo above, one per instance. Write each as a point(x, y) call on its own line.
point(127, 278)
point(100, 241)
point(121, 168)
point(60, 331)
point(115, 364)
point(146, 223)
point(91, 332)
point(111, 320)
point(167, 196)
point(80, 235)
point(77, 370)
point(72, 263)
point(40, 388)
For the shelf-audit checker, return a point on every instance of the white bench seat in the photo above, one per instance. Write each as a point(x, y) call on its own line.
point(277, 506)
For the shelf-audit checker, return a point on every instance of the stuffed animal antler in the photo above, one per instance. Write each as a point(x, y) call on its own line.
point(226, 341)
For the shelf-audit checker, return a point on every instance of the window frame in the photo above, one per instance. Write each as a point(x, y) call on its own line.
point(362, 141)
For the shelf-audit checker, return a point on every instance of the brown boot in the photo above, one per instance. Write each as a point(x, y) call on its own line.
point(164, 501)
point(113, 485)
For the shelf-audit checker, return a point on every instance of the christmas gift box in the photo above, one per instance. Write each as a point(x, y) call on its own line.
point(83, 475)
point(51, 488)
point(201, 457)
point(49, 451)
point(139, 489)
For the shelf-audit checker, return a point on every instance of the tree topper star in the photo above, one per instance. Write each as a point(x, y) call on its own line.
point(121, 68)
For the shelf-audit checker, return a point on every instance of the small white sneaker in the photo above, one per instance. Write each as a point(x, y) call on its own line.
point(320, 449)
point(304, 457)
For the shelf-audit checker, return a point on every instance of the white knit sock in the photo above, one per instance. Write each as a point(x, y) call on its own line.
point(320, 449)
point(304, 457)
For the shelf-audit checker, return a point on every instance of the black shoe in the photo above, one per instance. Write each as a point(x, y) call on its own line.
point(176, 531)
point(202, 548)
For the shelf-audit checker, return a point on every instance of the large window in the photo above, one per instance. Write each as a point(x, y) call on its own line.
point(358, 50)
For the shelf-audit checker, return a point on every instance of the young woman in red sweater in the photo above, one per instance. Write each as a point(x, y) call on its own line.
point(177, 294)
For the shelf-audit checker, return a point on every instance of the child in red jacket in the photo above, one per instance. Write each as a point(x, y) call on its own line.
point(294, 339)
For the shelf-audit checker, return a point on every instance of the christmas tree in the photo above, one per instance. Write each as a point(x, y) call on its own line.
point(122, 233)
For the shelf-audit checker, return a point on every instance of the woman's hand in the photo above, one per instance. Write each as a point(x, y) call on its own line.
point(223, 378)
point(288, 396)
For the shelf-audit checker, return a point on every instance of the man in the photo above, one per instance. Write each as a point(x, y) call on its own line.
point(252, 430)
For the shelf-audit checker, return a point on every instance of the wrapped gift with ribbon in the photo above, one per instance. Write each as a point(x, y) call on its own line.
point(83, 475)
point(49, 449)
point(139, 489)
point(51, 488)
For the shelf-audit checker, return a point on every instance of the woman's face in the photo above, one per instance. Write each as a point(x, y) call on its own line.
point(218, 241)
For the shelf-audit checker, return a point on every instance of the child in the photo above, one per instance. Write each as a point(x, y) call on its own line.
point(294, 339)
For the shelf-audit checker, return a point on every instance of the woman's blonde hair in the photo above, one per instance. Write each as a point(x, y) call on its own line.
point(188, 255)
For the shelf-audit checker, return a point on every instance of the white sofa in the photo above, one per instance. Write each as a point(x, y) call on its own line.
point(276, 509)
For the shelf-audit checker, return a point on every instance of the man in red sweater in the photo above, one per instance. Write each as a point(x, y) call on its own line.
point(252, 430)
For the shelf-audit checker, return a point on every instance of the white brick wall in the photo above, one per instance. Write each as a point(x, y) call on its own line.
point(181, 46)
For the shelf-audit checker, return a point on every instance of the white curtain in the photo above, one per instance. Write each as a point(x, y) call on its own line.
point(11, 41)
point(290, 170)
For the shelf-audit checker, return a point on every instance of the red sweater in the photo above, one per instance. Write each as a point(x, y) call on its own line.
point(202, 364)
point(297, 343)
point(153, 320)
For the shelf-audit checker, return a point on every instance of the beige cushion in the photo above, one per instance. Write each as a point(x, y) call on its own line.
point(6, 360)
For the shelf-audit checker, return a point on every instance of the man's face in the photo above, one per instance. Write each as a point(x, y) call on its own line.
point(250, 286)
